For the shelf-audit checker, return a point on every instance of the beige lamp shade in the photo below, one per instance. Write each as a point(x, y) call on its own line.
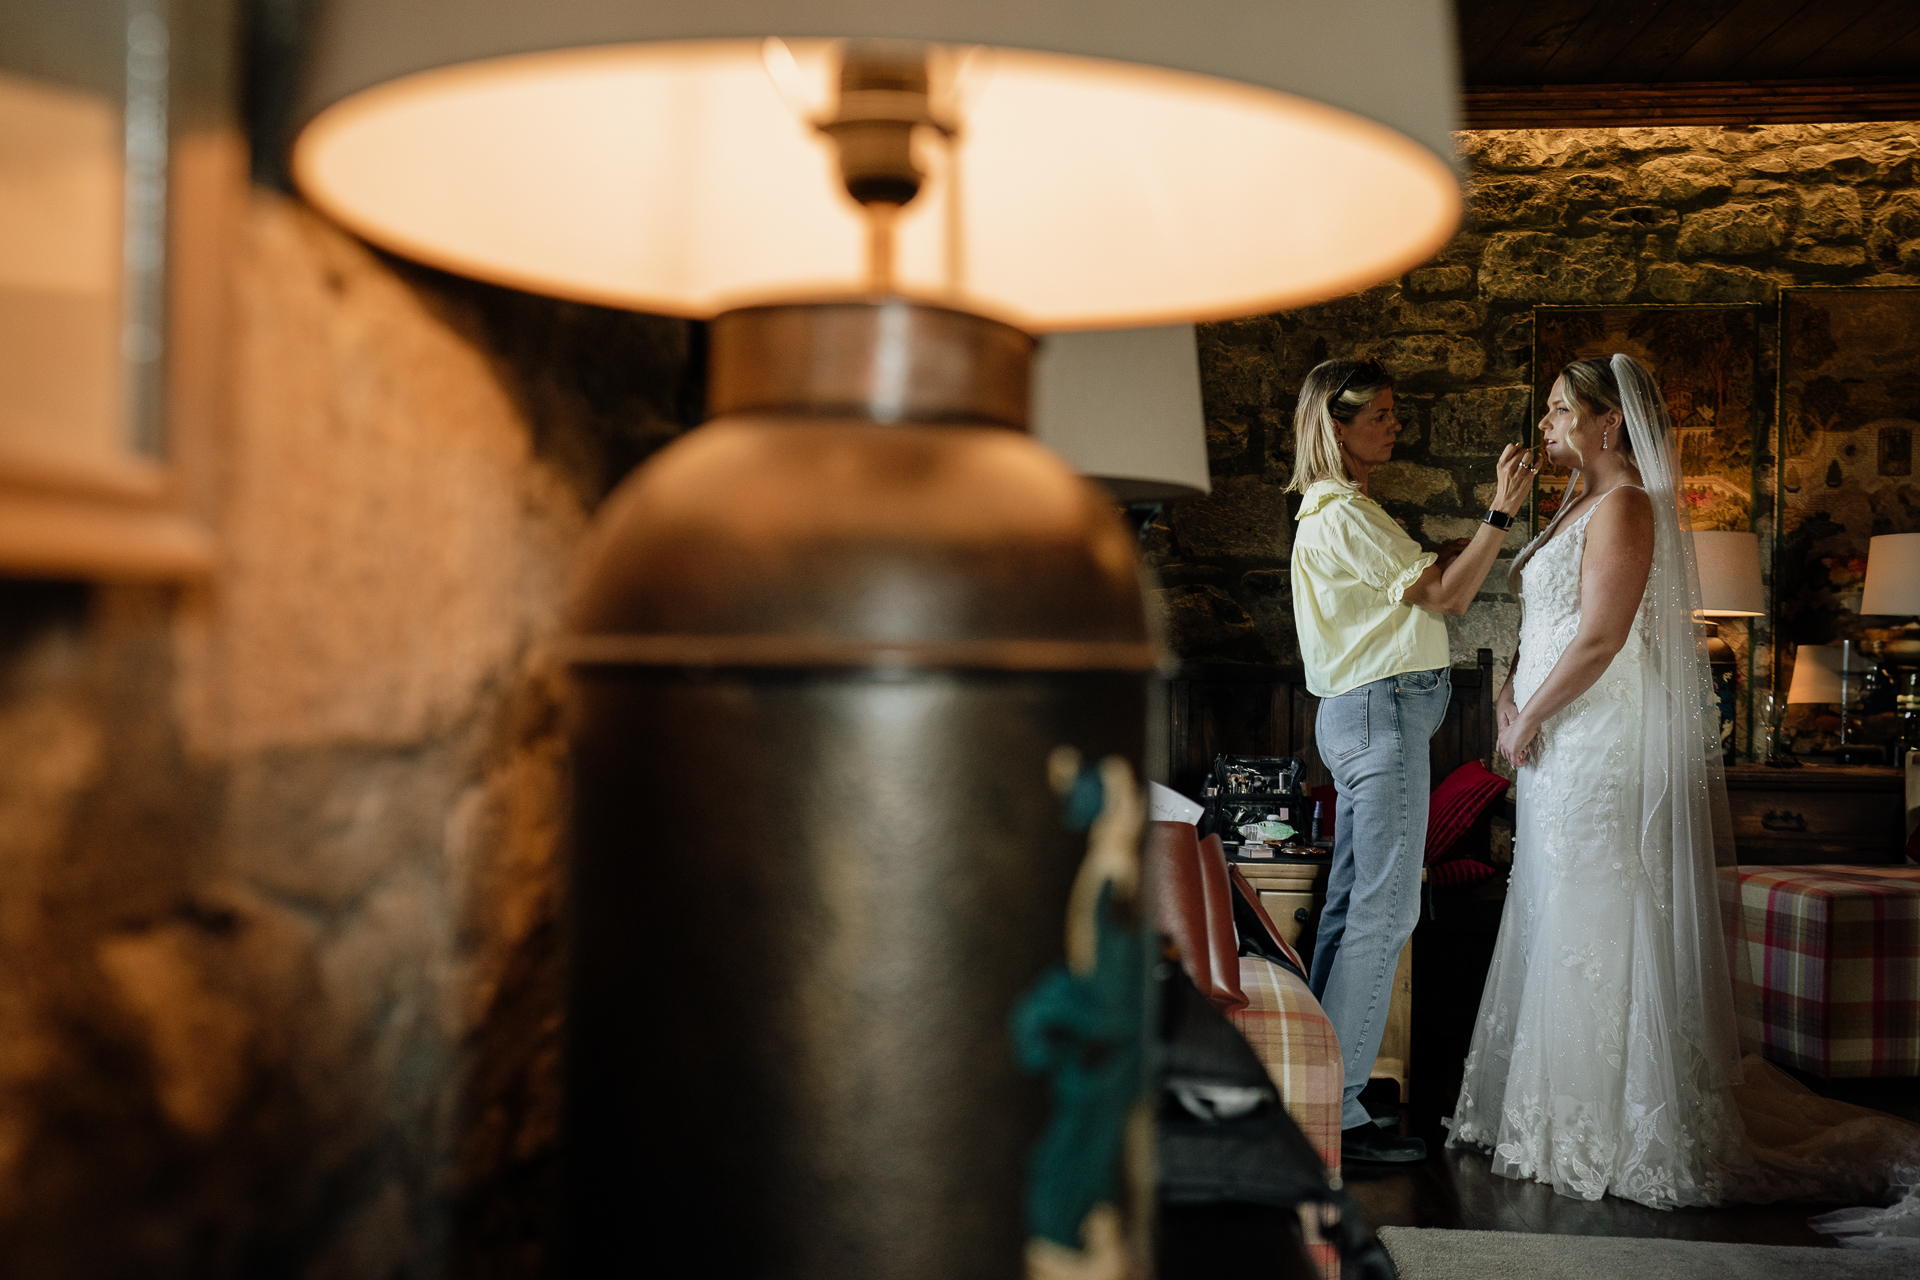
point(1730, 584)
point(1131, 164)
point(1816, 673)
point(1893, 575)
point(1124, 408)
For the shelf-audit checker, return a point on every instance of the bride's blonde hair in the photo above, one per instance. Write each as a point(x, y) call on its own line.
point(1596, 390)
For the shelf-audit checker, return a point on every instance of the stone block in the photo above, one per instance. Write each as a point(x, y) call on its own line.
point(1479, 422)
point(1487, 624)
point(1205, 623)
point(392, 539)
point(1267, 595)
point(1438, 530)
point(1235, 376)
point(1830, 213)
point(1628, 219)
point(1634, 143)
point(1437, 280)
point(1411, 483)
point(1226, 438)
point(1585, 190)
point(1443, 317)
point(1277, 426)
point(1842, 161)
point(1731, 231)
point(1514, 202)
point(1826, 257)
point(198, 1035)
point(1894, 219)
point(1414, 355)
point(1355, 311)
point(1529, 266)
point(1244, 516)
point(1675, 180)
point(1708, 282)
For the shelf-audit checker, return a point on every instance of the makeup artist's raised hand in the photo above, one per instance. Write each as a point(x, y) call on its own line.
point(1513, 477)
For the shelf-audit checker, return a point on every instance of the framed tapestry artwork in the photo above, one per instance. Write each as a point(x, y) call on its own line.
point(86, 485)
point(1849, 412)
point(1707, 362)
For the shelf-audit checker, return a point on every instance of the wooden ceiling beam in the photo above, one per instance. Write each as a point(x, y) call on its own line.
point(1709, 102)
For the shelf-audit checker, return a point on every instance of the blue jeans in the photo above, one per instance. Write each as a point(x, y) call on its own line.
point(1375, 740)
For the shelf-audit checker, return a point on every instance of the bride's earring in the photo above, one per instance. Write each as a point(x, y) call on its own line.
point(1603, 439)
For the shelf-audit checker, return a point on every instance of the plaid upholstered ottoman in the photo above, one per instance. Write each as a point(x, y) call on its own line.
point(1285, 1026)
point(1835, 953)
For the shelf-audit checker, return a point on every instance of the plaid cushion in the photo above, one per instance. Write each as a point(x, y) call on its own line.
point(1285, 1026)
point(1835, 955)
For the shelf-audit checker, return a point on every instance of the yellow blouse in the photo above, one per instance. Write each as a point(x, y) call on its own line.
point(1352, 566)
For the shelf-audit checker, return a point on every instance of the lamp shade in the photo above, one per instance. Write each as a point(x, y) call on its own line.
point(1134, 164)
point(1817, 669)
point(1816, 674)
point(1124, 408)
point(1730, 584)
point(1893, 575)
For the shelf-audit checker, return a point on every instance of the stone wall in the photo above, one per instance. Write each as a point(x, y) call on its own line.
point(279, 856)
point(1630, 216)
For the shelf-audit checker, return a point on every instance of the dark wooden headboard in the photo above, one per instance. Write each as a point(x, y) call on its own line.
point(1267, 711)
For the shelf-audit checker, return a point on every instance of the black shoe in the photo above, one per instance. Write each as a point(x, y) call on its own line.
point(1370, 1144)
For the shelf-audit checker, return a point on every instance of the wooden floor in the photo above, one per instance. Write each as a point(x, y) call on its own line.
point(1457, 1189)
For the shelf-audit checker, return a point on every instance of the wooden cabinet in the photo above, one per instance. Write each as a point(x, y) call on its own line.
point(1818, 813)
point(1293, 891)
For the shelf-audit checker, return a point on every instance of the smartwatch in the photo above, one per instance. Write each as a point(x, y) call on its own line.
point(1498, 519)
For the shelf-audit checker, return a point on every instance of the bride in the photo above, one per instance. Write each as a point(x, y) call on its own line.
point(1604, 1058)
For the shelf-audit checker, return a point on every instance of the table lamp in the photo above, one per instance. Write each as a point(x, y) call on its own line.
point(1893, 575)
point(833, 649)
point(1893, 587)
point(1823, 673)
point(1730, 587)
point(1123, 408)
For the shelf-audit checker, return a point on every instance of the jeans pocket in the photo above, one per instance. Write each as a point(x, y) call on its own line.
point(1419, 681)
point(1343, 724)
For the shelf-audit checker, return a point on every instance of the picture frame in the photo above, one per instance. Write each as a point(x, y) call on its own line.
point(101, 339)
point(1847, 413)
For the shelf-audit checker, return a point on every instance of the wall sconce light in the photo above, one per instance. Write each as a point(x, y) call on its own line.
point(1730, 587)
point(822, 662)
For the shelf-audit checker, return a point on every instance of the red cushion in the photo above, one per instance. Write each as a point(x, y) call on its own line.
point(1457, 804)
point(1457, 873)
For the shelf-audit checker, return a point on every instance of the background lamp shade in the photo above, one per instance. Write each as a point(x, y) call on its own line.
point(1893, 575)
point(1730, 584)
point(1135, 164)
point(1816, 674)
point(1123, 408)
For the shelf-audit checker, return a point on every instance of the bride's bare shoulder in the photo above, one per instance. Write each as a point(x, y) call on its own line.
point(1622, 521)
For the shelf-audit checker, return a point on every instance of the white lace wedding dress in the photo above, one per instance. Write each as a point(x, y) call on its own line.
point(1579, 1075)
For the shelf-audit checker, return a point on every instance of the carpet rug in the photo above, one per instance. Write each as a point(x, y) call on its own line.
point(1428, 1253)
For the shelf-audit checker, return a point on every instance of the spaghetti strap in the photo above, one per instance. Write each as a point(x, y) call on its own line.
point(1608, 494)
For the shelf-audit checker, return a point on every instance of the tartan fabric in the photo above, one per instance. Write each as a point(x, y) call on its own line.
point(1285, 1026)
point(1835, 959)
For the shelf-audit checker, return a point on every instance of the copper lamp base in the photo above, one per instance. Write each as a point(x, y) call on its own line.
point(824, 648)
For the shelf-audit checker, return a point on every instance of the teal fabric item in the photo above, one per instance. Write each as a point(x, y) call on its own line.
point(1084, 1034)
